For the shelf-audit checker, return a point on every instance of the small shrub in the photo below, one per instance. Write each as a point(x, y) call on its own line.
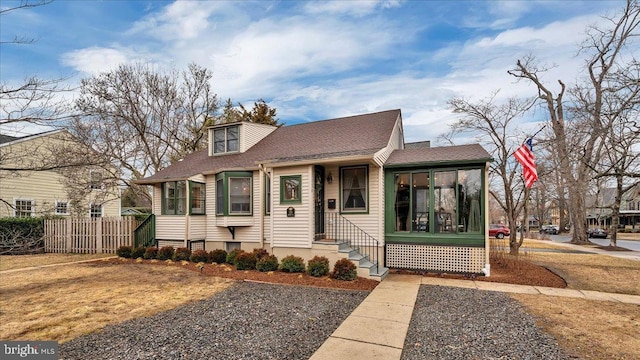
point(260, 253)
point(344, 270)
point(267, 263)
point(151, 253)
point(232, 255)
point(318, 266)
point(124, 251)
point(165, 253)
point(246, 261)
point(138, 252)
point(292, 264)
point(181, 254)
point(199, 256)
point(218, 256)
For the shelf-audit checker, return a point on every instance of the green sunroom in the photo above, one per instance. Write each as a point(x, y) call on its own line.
point(436, 209)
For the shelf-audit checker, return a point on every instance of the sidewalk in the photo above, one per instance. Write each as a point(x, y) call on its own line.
point(378, 327)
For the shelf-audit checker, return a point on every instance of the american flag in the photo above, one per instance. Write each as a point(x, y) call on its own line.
point(524, 155)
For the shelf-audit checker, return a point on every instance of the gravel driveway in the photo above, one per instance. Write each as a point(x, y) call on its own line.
point(458, 323)
point(245, 321)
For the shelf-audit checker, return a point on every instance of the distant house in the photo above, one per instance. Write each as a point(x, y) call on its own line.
point(35, 179)
point(599, 209)
point(346, 187)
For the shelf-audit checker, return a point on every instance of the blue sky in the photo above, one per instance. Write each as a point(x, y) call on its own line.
point(312, 60)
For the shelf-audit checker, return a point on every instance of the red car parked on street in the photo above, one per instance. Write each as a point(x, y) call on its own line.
point(498, 230)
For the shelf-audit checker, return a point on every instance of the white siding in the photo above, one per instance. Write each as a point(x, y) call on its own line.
point(197, 227)
point(395, 142)
point(171, 227)
point(44, 188)
point(293, 231)
point(157, 199)
point(198, 178)
point(251, 134)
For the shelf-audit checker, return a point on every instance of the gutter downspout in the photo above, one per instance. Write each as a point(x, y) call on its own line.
point(262, 203)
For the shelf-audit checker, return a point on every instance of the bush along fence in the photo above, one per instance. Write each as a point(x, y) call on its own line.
point(88, 235)
point(21, 236)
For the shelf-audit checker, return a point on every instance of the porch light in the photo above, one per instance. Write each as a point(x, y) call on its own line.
point(329, 178)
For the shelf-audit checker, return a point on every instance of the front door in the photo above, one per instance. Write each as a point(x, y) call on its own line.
point(319, 192)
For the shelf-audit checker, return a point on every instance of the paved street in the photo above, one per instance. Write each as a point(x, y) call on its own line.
point(629, 244)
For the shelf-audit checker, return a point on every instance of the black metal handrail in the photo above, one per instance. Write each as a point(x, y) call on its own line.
point(339, 228)
point(145, 234)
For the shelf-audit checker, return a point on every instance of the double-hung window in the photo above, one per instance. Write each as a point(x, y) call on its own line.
point(23, 208)
point(225, 139)
point(95, 210)
point(62, 208)
point(174, 197)
point(198, 198)
point(354, 183)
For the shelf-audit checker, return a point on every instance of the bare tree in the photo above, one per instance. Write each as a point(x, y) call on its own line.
point(493, 125)
point(141, 119)
point(605, 54)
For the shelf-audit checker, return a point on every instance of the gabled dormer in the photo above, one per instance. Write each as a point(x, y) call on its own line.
point(236, 137)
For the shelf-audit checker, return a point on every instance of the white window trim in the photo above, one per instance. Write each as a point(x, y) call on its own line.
point(101, 210)
point(55, 209)
point(91, 187)
point(15, 206)
point(226, 139)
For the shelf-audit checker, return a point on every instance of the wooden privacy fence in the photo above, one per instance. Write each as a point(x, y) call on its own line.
point(88, 235)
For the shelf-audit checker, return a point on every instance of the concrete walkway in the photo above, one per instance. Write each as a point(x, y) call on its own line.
point(378, 327)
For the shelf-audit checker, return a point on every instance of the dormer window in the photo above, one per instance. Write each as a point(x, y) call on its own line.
point(225, 139)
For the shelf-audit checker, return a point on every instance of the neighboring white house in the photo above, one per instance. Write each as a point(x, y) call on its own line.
point(33, 182)
point(346, 187)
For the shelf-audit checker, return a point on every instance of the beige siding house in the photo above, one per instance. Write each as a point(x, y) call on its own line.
point(33, 182)
point(330, 188)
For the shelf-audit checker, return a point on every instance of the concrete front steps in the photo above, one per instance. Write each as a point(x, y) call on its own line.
point(334, 251)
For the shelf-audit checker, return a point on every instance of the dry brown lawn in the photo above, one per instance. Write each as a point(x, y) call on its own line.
point(9, 262)
point(593, 272)
point(64, 302)
point(588, 329)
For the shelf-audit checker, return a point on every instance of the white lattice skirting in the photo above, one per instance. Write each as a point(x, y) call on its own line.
point(456, 259)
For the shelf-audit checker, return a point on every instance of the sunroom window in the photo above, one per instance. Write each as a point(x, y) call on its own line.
point(174, 197)
point(439, 202)
point(354, 188)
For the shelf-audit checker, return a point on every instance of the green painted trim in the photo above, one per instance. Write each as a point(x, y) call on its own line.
point(267, 182)
point(163, 204)
point(437, 164)
point(284, 178)
point(340, 177)
point(389, 194)
point(225, 176)
point(435, 240)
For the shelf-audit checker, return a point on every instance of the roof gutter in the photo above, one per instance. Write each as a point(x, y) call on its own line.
point(276, 164)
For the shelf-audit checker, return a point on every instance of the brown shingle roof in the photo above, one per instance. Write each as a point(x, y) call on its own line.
point(352, 135)
point(443, 154)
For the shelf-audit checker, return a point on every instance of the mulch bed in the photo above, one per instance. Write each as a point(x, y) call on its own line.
point(276, 277)
point(525, 273)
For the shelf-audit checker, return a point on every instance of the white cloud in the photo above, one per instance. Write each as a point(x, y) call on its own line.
point(181, 20)
point(353, 8)
point(95, 59)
